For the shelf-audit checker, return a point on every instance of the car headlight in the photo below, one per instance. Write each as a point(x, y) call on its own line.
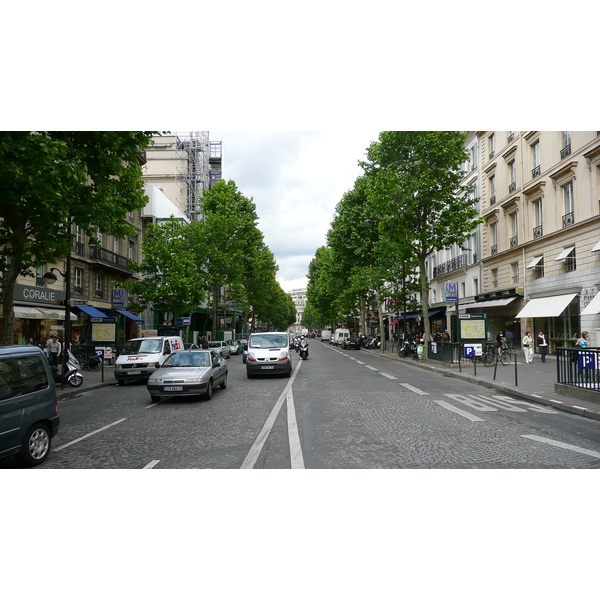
point(193, 380)
point(283, 355)
point(251, 357)
point(154, 380)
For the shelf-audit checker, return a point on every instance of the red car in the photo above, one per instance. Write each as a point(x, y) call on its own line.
point(311, 334)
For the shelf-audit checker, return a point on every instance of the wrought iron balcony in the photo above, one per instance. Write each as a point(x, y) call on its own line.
point(511, 136)
point(458, 262)
point(493, 199)
point(568, 219)
point(514, 241)
point(565, 151)
point(492, 154)
point(110, 258)
point(494, 249)
point(79, 249)
point(536, 171)
point(538, 232)
point(512, 187)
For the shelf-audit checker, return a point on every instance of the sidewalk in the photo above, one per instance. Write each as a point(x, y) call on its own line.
point(91, 380)
point(534, 381)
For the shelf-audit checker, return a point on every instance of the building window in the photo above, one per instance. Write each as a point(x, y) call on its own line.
point(99, 236)
point(130, 255)
point(116, 246)
point(537, 169)
point(511, 136)
point(492, 141)
point(493, 189)
point(475, 286)
point(78, 280)
point(495, 278)
point(494, 238)
point(463, 289)
point(514, 226)
point(515, 272)
point(513, 177)
point(473, 156)
point(571, 263)
point(569, 204)
point(566, 144)
point(537, 219)
point(98, 285)
point(539, 269)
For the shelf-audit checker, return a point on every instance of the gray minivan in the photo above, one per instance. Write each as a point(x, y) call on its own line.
point(28, 404)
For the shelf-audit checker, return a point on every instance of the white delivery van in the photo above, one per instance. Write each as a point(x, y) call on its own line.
point(142, 356)
point(340, 335)
point(326, 335)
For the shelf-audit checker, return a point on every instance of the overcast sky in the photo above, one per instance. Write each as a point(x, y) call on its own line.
point(295, 180)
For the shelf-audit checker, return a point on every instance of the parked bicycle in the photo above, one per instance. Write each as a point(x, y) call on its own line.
point(493, 355)
point(89, 361)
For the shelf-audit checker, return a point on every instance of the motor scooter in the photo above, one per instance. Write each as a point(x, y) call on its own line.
point(72, 376)
point(303, 351)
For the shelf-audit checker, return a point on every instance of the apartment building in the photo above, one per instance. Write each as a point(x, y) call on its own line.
point(539, 263)
point(299, 299)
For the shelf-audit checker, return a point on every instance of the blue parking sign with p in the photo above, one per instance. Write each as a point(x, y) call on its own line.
point(587, 360)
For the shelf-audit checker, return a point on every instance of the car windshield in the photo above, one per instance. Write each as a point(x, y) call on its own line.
point(188, 359)
point(268, 341)
point(140, 346)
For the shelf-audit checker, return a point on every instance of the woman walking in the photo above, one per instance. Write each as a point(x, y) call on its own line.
point(542, 342)
point(528, 347)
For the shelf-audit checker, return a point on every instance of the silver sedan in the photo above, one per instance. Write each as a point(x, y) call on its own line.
point(188, 373)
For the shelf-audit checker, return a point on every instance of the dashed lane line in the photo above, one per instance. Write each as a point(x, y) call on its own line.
point(87, 435)
point(151, 464)
point(412, 388)
point(388, 375)
point(458, 411)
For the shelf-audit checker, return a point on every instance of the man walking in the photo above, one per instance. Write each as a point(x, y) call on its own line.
point(542, 342)
point(54, 349)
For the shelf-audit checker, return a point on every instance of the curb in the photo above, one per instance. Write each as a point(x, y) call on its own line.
point(557, 404)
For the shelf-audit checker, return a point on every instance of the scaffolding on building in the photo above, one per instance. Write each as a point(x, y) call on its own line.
point(194, 173)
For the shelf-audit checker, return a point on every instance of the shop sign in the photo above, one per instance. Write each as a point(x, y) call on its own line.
point(32, 293)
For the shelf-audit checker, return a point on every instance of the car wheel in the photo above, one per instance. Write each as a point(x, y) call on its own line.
point(120, 382)
point(209, 391)
point(154, 398)
point(249, 375)
point(36, 446)
point(224, 382)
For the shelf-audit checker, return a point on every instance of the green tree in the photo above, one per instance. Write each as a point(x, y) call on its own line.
point(50, 180)
point(416, 189)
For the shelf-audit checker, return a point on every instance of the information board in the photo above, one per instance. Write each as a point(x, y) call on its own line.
point(472, 329)
point(103, 332)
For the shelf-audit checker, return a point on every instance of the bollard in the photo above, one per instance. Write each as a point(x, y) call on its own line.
point(495, 367)
point(516, 380)
point(474, 365)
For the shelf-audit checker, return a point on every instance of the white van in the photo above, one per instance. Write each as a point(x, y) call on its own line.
point(340, 335)
point(269, 354)
point(326, 335)
point(142, 356)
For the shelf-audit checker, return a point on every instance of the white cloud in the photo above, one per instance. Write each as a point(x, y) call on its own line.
point(295, 180)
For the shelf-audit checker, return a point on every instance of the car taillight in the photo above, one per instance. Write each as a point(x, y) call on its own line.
point(55, 404)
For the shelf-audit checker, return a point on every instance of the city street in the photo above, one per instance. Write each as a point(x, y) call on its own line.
point(339, 410)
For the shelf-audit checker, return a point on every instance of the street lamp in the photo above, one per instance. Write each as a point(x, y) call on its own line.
point(51, 277)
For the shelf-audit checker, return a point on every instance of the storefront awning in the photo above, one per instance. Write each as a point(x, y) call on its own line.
point(24, 312)
point(593, 308)
point(134, 318)
point(395, 321)
point(563, 255)
point(431, 313)
point(489, 303)
point(535, 262)
point(90, 310)
point(551, 306)
point(596, 249)
point(56, 314)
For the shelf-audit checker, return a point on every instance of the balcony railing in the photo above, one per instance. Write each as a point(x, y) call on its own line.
point(79, 249)
point(110, 258)
point(536, 171)
point(511, 136)
point(493, 199)
point(458, 262)
point(565, 151)
point(568, 219)
point(494, 249)
point(512, 187)
point(538, 232)
point(514, 241)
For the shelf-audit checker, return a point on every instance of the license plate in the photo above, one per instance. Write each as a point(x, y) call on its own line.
point(173, 388)
point(131, 373)
point(271, 367)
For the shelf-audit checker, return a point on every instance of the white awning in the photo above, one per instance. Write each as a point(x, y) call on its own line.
point(593, 308)
point(534, 262)
point(24, 312)
point(563, 255)
point(552, 306)
point(56, 314)
point(596, 249)
point(490, 303)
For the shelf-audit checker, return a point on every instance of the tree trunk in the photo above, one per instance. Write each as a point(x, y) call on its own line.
point(425, 304)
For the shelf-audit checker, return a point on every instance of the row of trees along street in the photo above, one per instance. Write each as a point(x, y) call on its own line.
point(409, 202)
point(51, 181)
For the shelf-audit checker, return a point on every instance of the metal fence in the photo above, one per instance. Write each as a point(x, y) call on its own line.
point(578, 367)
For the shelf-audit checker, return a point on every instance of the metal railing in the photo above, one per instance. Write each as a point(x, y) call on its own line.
point(536, 171)
point(538, 232)
point(565, 151)
point(578, 367)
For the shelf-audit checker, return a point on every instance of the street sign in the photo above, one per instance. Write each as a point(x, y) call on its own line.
point(183, 321)
point(472, 350)
point(451, 290)
point(587, 360)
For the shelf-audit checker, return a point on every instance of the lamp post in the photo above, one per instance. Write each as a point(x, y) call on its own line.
point(51, 277)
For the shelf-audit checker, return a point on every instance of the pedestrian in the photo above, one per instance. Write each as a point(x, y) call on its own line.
point(30, 342)
point(584, 340)
point(54, 350)
point(542, 342)
point(528, 347)
point(500, 342)
point(204, 343)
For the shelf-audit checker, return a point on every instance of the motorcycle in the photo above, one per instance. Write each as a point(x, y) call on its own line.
point(297, 344)
point(70, 375)
point(409, 348)
point(303, 351)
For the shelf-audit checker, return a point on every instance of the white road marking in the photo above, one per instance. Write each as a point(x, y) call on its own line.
point(562, 445)
point(151, 464)
point(458, 411)
point(294, 436)
point(372, 368)
point(256, 448)
point(412, 388)
point(360, 362)
point(88, 435)
point(388, 375)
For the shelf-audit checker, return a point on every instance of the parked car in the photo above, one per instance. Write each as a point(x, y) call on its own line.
point(221, 347)
point(28, 405)
point(191, 347)
point(311, 334)
point(235, 346)
point(188, 373)
point(269, 354)
point(353, 343)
